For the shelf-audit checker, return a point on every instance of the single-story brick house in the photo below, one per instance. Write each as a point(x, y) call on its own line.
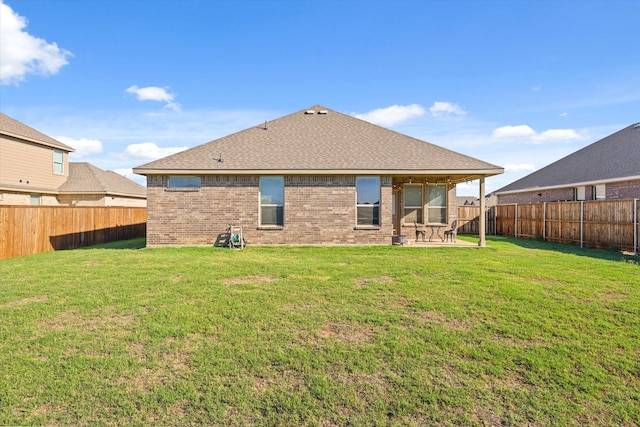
point(316, 176)
point(608, 169)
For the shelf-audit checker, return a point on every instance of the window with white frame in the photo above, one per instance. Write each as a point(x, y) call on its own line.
point(184, 182)
point(599, 192)
point(58, 162)
point(413, 203)
point(368, 200)
point(579, 193)
point(437, 204)
point(272, 201)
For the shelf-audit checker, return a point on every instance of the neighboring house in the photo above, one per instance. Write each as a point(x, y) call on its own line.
point(32, 165)
point(475, 201)
point(608, 169)
point(316, 176)
point(35, 170)
point(89, 185)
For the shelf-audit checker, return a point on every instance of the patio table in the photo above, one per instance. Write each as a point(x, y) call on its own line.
point(435, 229)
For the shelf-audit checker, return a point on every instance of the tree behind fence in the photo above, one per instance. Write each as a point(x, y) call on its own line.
point(27, 230)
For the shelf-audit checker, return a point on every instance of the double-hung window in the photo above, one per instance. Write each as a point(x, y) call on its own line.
point(58, 162)
point(579, 193)
point(437, 204)
point(368, 200)
point(413, 203)
point(272, 201)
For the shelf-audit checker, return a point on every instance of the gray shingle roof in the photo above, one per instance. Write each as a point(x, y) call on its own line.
point(318, 140)
point(12, 127)
point(86, 178)
point(615, 156)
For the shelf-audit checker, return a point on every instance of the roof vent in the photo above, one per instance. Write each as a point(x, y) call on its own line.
point(310, 112)
point(322, 112)
point(636, 126)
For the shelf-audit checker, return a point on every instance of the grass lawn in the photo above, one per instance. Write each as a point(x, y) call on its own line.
point(519, 333)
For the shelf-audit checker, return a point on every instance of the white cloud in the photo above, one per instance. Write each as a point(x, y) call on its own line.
point(520, 167)
point(154, 93)
point(513, 131)
point(149, 151)
point(553, 135)
point(524, 131)
point(444, 109)
point(84, 147)
point(21, 53)
point(391, 115)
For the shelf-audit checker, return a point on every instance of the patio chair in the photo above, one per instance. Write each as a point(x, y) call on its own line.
point(422, 233)
point(451, 233)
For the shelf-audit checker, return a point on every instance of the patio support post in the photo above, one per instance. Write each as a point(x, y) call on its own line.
point(483, 216)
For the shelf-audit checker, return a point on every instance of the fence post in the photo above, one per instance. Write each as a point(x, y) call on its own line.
point(515, 227)
point(635, 226)
point(582, 223)
point(544, 221)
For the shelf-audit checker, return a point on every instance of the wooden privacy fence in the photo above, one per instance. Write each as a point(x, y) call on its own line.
point(26, 230)
point(600, 224)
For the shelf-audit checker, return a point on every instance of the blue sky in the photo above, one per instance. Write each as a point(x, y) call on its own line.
point(519, 84)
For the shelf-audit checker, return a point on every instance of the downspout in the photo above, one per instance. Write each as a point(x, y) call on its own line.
point(582, 223)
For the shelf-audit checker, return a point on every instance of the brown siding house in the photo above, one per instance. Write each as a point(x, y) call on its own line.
point(32, 164)
point(608, 169)
point(313, 177)
point(35, 170)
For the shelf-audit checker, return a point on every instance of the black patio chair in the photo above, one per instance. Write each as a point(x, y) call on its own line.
point(451, 233)
point(422, 233)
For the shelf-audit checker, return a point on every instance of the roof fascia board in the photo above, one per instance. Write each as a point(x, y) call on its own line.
point(474, 172)
point(27, 190)
point(575, 184)
point(36, 141)
point(101, 193)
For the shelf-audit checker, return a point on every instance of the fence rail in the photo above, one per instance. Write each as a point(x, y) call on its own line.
point(26, 230)
point(600, 224)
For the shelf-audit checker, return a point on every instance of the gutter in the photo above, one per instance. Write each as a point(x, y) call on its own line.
point(574, 184)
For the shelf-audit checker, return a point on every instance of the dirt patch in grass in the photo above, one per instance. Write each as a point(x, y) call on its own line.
point(309, 277)
point(256, 280)
point(77, 321)
point(347, 332)
point(439, 318)
point(25, 301)
point(381, 280)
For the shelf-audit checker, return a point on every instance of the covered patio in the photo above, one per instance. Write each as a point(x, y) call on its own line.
point(425, 206)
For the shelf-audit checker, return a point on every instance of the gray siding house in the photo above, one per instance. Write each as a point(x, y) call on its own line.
point(315, 177)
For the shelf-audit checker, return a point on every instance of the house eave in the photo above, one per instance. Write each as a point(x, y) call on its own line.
point(102, 193)
point(37, 141)
point(570, 185)
point(468, 174)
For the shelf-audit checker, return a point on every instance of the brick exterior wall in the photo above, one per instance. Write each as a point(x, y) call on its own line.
point(317, 210)
point(613, 191)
